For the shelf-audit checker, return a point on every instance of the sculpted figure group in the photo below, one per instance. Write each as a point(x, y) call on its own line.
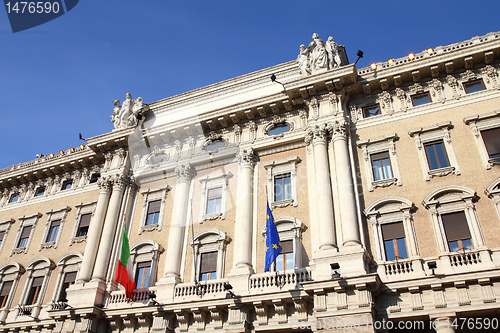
point(319, 56)
point(129, 114)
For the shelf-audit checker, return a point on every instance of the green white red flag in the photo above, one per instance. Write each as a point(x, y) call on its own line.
point(124, 276)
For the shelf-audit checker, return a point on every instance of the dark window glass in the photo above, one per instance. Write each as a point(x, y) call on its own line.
point(14, 197)
point(2, 235)
point(83, 227)
point(143, 274)
point(153, 215)
point(67, 184)
point(381, 166)
point(69, 279)
point(40, 191)
point(214, 145)
point(421, 99)
point(25, 236)
point(491, 140)
point(474, 86)
point(284, 260)
point(214, 200)
point(436, 155)
point(279, 128)
point(457, 231)
point(282, 187)
point(94, 177)
point(53, 230)
point(4, 293)
point(393, 235)
point(36, 286)
point(371, 111)
point(208, 266)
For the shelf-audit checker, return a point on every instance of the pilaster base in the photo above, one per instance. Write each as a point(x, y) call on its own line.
point(351, 262)
point(86, 294)
point(165, 289)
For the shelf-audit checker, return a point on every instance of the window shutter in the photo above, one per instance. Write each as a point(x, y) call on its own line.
point(55, 223)
point(85, 220)
point(380, 156)
point(26, 232)
point(70, 277)
point(37, 282)
point(143, 264)
point(6, 288)
point(287, 246)
point(208, 262)
point(154, 206)
point(393, 231)
point(214, 193)
point(492, 140)
point(455, 226)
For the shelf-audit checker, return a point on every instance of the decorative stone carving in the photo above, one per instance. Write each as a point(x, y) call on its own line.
point(438, 89)
point(130, 113)
point(491, 73)
point(184, 173)
point(386, 101)
point(468, 75)
point(453, 83)
point(246, 157)
point(253, 130)
point(320, 56)
point(237, 133)
point(314, 104)
point(339, 129)
point(317, 134)
point(191, 143)
point(401, 95)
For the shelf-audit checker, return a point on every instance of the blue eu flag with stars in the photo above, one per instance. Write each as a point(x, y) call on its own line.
point(273, 245)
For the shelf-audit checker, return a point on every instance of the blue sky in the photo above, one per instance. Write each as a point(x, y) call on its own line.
point(59, 79)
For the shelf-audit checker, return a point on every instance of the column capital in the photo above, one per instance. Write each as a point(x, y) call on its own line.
point(185, 173)
point(104, 185)
point(246, 157)
point(119, 182)
point(339, 129)
point(318, 134)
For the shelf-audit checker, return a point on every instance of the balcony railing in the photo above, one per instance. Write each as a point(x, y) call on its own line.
point(200, 288)
point(138, 296)
point(465, 259)
point(291, 278)
point(398, 268)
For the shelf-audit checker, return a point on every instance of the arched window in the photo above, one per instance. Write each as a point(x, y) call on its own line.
point(68, 265)
point(493, 192)
point(144, 255)
point(209, 252)
point(38, 270)
point(454, 218)
point(9, 279)
point(290, 232)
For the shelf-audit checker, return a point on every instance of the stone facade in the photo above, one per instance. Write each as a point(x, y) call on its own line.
point(384, 183)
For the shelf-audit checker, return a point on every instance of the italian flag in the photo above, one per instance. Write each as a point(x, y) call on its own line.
point(124, 276)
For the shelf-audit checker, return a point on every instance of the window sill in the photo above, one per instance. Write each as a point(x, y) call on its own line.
point(384, 182)
point(441, 172)
point(19, 250)
point(210, 217)
point(282, 203)
point(494, 160)
point(149, 228)
point(48, 245)
point(78, 239)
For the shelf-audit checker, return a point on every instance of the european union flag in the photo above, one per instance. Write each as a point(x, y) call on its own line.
point(273, 245)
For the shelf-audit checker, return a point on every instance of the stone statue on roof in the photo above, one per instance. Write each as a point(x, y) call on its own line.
point(130, 113)
point(321, 56)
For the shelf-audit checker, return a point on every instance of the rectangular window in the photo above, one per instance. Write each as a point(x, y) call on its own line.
point(25, 236)
point(67, 184)
point(69, 279)
point(474, 86)
point(381, 166)
point(94, 177)
point(457, 231)
point(436, 155)
point(370, 111)
point(284, 260)
point(421, 99)
point(214, 200)
point(153, 214)
point(208, 266)
point(143, 274)
point(83, 227)
point(4, 293)
point(36, 286)
point(393, 235)
point(2, 235)
point(282, 187)
point(491, 140)
point(53, 230)
point(40, 191)
point(14, 197)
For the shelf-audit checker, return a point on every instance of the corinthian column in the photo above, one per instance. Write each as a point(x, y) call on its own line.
point(244, 217)
point(109, 229)
point(323, 204)
point(347, 199)
point(95, 231)
point(185, 174)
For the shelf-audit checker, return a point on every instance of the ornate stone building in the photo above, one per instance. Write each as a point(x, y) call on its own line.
point(384, 183)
